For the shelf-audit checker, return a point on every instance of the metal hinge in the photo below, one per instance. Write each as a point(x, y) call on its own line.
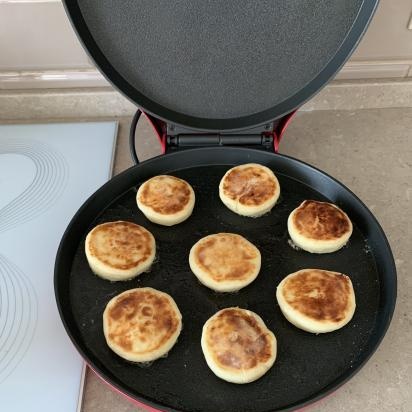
point(181, 138)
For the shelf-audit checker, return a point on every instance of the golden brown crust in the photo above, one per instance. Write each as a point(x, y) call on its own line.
point(320, 221)
point(141, 318)
point(120, 245)
point(237, 341)
point(319, 294)
point(226, 256)
point(250, 186)
point(165, 194)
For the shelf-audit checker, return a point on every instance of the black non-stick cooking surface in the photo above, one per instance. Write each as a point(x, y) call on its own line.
point(225, 64)
point(307, 366)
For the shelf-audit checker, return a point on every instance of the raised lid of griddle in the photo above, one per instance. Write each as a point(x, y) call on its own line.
point(225, 64)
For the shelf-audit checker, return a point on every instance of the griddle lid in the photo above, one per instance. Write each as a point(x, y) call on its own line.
point(224, 64)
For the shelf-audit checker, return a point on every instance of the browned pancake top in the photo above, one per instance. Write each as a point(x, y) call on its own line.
point(250, 185)
point(237, 341)
point(226, 256)
point(320, 220)
point(142, 321)
point(319, 294)
point(121, 245)
point(166, 195)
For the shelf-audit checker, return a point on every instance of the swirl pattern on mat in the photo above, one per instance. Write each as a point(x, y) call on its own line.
point(18, 316)
point(49, 181)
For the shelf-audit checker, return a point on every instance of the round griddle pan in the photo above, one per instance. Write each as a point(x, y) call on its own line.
point(308, 366)
point(219, 65)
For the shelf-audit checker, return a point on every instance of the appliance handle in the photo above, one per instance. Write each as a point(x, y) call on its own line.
point(132, 132)
point(157, 127)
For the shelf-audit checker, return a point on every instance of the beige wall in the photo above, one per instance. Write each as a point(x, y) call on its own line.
point(388, 36)
point(35, 36)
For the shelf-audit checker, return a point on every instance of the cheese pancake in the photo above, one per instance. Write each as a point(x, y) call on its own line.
point(237, 345)
point(166, 200)
point(319, 227)
point(225, 262)
point(119, 250)
point(141, 324)
point(249, 190)
point(316, 300)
